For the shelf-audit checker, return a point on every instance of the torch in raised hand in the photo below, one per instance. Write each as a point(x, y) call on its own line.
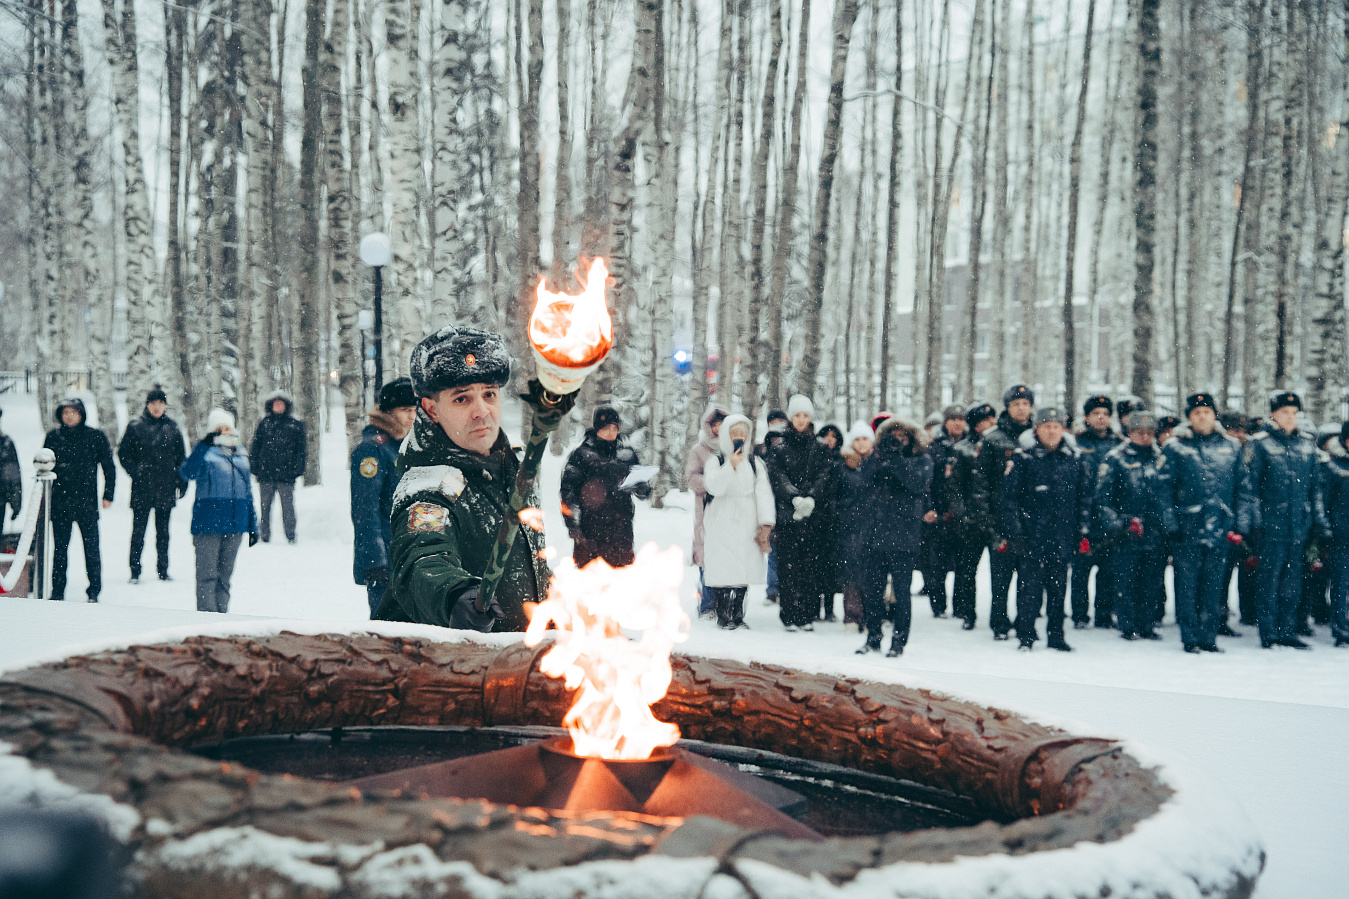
point(570, 335)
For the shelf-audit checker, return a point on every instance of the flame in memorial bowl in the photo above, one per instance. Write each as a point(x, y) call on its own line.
point(618, 677)
point(573, 330)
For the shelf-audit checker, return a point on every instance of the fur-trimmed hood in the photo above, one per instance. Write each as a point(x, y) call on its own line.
point(388, 423)
point(918, 437)
point(724, 439)
point(281, 395)
point(1027, 439)
point(1184, 430)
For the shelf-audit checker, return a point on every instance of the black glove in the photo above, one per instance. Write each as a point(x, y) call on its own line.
point(466, 617)
point(252, 538)
point(182, 488)
point(14, 513)
point(376, 576)
point(209, 439)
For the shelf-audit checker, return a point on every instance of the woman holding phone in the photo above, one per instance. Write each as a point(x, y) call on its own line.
point(738, 520)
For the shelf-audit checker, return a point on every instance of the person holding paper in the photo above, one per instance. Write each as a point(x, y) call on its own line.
point(597, 493)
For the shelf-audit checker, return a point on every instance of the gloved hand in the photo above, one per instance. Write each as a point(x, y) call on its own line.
point(1002, 546)
point(14, 513)
point(804, 506)
point(1136, 527)
point(209, 439)
point(1084, 547)
point(252, 538)
point(1234, 538)
point(948, 517)
point(376, 576)
point(466, 617)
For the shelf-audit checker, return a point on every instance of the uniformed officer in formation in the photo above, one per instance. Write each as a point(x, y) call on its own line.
point(1279, 505)
point(373, 479)
point(1096, 438)
point(971, 520)
point(995, 459)
point(940, 535)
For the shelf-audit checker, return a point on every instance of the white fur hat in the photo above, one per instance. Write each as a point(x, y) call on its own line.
point(859, 429)
point(217, 417)
point(800, 403)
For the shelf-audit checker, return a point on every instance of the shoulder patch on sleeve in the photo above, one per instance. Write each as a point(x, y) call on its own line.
point(446, 479)
point(427, 517)
point(369, 467)
point(1103, 470)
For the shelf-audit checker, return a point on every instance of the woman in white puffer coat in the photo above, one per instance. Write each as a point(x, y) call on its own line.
point(738, 520)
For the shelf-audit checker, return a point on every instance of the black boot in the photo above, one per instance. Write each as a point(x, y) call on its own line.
point(896, 649)
point(1225, 630)
point(721, 600)
point(873, 644)
point(737, 609)
point(1056, 641)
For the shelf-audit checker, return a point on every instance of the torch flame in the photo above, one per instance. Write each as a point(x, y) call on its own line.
point(619, 678)
point(573, 330)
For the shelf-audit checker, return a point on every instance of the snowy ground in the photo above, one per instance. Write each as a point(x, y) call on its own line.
point(1270, 726)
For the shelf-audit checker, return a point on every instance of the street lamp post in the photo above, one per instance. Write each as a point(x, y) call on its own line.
point(376, 252)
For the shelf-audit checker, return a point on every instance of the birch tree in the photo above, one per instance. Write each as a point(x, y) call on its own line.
point(1145, 196)
point(1074, 182)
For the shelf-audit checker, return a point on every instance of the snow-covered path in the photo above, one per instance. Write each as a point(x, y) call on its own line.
point(1271, 727)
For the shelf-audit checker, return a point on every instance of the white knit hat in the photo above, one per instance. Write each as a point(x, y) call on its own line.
point(217, 417)
point(859, 429)
point(799, 403)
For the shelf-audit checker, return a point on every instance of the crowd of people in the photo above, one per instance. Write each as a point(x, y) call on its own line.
point(1213, 497)
point(153, 454)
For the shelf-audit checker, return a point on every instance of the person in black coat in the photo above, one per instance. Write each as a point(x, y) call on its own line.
point(799, 468)
point(849, 495)
point(374, 477)
point(900, 472)
point(598, 513)
point(1094, 441)
point(11, 480)
point(150, 452)
point(277, 457)
point(80, 451)
point(995, 457)
point(969, 519)
point(1046, 511)
point(938, 555)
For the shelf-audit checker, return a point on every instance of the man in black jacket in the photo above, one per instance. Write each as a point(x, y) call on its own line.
point(939, 535)
point(597, 509)
point(80, 451)
point(971, 521)
point(277, 458)
point(150, 452)
point(11, 482)
point(995, 459)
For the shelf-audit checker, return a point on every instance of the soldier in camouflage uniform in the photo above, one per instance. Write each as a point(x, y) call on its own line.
point(458, 470)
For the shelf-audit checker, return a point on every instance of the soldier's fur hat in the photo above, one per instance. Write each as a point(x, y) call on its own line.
point(457, 357)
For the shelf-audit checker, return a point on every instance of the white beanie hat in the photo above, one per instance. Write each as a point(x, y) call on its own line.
point(799, 403)
point(859, 429)
point(217, 417)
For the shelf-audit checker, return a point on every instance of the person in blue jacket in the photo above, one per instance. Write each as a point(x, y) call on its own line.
point(900, 476)
point(1202, 472)
point(1046, 505)
point(1279, 505)
point(373, 479)
point(1132, 514)
point(1335, 500)
point(222, 508)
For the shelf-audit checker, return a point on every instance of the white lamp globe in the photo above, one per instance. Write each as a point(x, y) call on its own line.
point(376, 250)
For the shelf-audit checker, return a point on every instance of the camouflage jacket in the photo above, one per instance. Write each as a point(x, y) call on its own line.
point(447, 508)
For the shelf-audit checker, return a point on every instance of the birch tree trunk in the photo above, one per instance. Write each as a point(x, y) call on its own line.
point(308, 372)
point(564, 249)
point(175, 22)
point(1106, 157)
point(453, 81)
point(1028, 280)
point(845, 15)
point(142, 295)
point(1290, 207)
point(405, 183)
point(730, 261)
point(1145, 197)
point(892, 207)
point(978, 203)
point(1002, 209)
point(341, 264)
point(530, 87)
point(35, 121)
point(1074, 182)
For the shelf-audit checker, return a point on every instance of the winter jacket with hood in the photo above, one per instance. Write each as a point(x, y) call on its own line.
point(694, 463)
point(151, 452)
point(1046, 499)
point(1203, 476)
point(741, 500)
point(80, 452)
point(590, 496)
point(279, 443)
point(447, 508)
point(1131, 483)
point(1280, 487)
point(799, 466)
point(374, 475)
point(223, 500)
point(900, 473)
point(966, 503)
point(995, 453)
point(942, 451)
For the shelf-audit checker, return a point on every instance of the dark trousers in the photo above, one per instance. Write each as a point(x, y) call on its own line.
point(1043, 579)
point(1134, 575)
point(730, 605)
point(1339, 589)
point(1201, 578)
point(1278, 589)
point(93, 562)
point(896, 564)
point(286, 491)
point(965, 554)
point(935, 561)
point(612, 543)
point(1104, 593)
point(140, 522)
point(1236, 563)
point(800, 585)
point(374, 594)
point(1001, 567)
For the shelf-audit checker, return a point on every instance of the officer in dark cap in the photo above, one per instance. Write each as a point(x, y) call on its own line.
point(1241, 560)
point(1165, 426)
point(1096, 438)
point(1127, 405)
point(968, 516)
point(1046, 511)
point(995, 457)
point(1279, 506)
point(458, 471)
point(936, 554)
point(374, 476)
